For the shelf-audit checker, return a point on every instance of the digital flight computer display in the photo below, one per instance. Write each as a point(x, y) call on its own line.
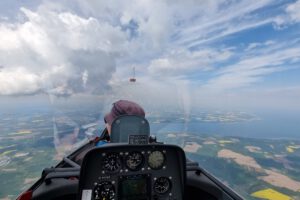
point(134, 187)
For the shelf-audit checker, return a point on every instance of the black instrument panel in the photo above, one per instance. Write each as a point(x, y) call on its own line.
point(128, 172)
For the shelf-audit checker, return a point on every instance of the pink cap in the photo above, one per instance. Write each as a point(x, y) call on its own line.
point(123, 107)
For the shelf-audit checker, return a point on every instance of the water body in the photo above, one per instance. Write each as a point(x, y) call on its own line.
point(269, 126)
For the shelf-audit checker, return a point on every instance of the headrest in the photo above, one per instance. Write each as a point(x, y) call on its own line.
point(126, 125)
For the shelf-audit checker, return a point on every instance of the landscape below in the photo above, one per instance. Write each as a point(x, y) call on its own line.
point(255, 168)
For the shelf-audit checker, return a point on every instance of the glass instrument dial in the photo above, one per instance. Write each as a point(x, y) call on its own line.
point(156, 160)
point(134, 161)
point(112, 162)
point(104, 190)
point(162, 185)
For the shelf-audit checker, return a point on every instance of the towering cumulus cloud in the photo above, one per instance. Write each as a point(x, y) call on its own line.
point(58, 53)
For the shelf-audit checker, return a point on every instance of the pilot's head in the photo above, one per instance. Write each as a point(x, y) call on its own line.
point(122, 107)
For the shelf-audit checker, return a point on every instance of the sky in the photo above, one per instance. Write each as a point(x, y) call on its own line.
point(222, 53)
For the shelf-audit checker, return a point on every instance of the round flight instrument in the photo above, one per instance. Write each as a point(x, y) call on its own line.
point(156, 160)
point(134, 160)
point(104, 190)
point(112, 162)
point(162, 185)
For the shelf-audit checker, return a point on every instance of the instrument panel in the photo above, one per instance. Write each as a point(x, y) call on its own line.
point(127, 172)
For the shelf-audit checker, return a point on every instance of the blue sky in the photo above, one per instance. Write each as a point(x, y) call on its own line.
point(209, 49)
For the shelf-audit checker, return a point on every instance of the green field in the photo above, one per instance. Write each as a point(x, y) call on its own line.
point(28, 147)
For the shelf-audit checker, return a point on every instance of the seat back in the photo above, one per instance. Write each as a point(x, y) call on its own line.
point(126, 125)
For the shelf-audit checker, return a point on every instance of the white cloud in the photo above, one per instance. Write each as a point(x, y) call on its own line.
point(282, 98)
point(154, 20)
point(291, 16)
point(18, 81)
point(225, 30)
point(252, 69)
point(276, 58)
point(252, 46)
point(184, 62)
point(240, 79)
point(294, 11)
point(256, 45)
point(228, 18)
point(53, 49)
point(88, 46)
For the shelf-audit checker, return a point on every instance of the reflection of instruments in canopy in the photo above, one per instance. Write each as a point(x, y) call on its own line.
point(65, 132)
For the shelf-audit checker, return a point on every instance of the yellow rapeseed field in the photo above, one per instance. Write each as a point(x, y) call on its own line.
point(225, 141)
point(270, 194)
point(291, 149)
